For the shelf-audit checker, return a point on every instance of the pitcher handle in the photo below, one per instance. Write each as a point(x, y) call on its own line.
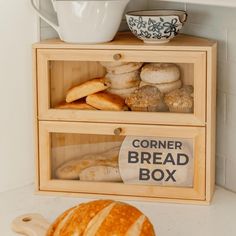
point(56, 27)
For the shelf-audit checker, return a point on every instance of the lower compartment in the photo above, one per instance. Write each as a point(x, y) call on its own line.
point(146, 161)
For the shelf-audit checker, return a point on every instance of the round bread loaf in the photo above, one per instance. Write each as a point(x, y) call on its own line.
point(157, 73)
point(123, 81)
point(165, 87)
point(102, 218)
point(126, 68)
point(123, 92)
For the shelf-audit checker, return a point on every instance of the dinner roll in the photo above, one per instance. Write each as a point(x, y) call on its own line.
point(87, 88)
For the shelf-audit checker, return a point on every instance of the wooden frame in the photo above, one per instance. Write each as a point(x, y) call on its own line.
point(52, 120)
point(195, 133)
point(197, 59)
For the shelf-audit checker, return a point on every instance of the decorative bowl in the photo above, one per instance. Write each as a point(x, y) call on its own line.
point(156, 26)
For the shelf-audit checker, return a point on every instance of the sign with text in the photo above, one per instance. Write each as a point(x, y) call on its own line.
point(157, 161)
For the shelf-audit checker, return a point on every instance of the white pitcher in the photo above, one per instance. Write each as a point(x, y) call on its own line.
point(86, 21)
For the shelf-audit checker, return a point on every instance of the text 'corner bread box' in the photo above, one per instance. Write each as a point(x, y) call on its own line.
point(125, 119)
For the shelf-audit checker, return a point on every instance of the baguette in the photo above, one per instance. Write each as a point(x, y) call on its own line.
point(70, 170)
point(101, 173)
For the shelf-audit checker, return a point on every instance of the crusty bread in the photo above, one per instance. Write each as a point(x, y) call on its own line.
point(78, 104)
point(101, 173)
point(102, 218)
point(106, 101)
point(157, 73)
point(122, 92)
point(71, 169)
point(164, 87)
point(126, 68)
point(87, 88)
point(123, 81)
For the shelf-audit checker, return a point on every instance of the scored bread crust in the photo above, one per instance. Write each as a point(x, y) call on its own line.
point(106, 101)
point(102, 218)
point(78, 221)
point(54, 226)
point(147, 228)
point(158, 73)
point(87, 88)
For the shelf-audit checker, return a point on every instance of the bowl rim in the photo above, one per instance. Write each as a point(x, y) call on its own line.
point(173, 12)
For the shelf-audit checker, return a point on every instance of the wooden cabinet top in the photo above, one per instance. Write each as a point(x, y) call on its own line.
point(127, 41)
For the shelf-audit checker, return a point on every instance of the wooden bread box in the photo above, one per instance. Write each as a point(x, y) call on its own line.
point(157, 156)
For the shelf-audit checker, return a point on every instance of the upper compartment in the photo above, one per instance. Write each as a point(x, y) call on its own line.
point(162, 68)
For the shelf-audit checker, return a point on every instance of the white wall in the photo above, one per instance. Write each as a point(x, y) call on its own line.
point(18, 30)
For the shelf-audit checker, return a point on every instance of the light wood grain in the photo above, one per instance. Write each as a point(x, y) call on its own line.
point(30, 225)
point(35, 121)
point(59, 70)
point(61, 134)
point(66, 128)
point(211, 122)
point(126, 41)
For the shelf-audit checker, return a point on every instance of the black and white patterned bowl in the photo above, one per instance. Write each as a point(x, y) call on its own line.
point(156, 26)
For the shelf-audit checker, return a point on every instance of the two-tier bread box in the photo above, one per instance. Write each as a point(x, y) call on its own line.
point(126, 120)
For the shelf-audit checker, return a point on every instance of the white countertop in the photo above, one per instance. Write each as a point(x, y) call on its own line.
point(169, 219)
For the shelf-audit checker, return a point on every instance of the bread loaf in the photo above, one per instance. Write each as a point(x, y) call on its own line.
point(80, 105)
point(71, 169)
point(102, 218)
point(101, 173)
point(106, 101)
point(87, 88)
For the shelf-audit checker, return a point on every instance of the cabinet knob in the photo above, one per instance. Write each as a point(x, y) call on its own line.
point(117, 131)
point(117, 56)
